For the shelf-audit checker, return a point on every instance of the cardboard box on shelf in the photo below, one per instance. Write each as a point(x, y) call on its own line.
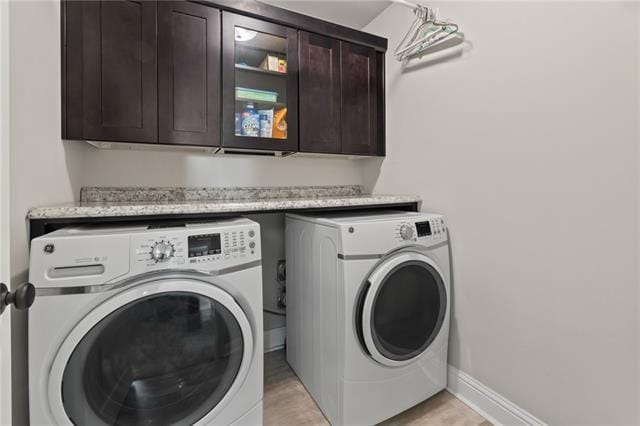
point(274, 63)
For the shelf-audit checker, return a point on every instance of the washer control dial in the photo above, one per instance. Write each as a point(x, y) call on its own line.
point(162, 251)
point(406, 232)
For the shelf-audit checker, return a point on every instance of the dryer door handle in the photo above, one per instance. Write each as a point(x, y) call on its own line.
point(22, 298)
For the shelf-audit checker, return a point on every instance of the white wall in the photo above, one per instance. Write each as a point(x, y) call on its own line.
point(44, 170)
point(146, 168)
point(351, 13)
point(528, 143)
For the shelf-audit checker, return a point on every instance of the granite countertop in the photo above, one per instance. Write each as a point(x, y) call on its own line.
point(134, 201)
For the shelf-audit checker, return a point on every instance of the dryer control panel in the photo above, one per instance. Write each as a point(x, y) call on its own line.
point(433, 229)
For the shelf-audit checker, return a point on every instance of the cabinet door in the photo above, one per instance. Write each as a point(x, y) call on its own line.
point(188, 73)
point(259, 84)
point(361, 77)
point(319, 94)
point(120, 71)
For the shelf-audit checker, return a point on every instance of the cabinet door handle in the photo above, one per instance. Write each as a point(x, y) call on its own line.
point(22, 298)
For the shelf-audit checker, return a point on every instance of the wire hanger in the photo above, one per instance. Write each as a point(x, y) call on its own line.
point(426, 31)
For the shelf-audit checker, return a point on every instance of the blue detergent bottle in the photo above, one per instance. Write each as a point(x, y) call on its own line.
point(250, 121)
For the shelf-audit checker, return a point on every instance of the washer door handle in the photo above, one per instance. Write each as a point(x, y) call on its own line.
point(22, 298)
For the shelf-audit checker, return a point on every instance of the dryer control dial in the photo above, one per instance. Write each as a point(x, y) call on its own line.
point(162, 251)
point(406, 232)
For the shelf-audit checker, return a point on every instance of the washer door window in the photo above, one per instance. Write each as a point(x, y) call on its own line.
point(168, 357)
point(402, 308)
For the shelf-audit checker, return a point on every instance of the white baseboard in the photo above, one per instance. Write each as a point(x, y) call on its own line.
point(274, 339)
point(490, 405)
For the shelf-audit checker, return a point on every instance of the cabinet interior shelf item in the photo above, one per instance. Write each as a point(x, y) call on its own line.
point(249, 68)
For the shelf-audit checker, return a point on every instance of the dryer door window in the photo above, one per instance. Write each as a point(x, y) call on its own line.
point(165, 358)
point(402, 308)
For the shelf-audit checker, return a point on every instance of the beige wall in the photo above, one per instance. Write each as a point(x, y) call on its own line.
point(638, 230)
point(5, 318)
point(528, 143)
point(44, 170)
point(115, 167)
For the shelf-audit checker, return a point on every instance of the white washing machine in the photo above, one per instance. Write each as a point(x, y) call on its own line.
point(147, 325)
point(368, 311)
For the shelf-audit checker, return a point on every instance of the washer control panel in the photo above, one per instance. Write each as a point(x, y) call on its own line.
point(159, 249)
point(200, 246)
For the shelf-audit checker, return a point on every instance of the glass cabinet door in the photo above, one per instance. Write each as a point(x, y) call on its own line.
point(260, 84)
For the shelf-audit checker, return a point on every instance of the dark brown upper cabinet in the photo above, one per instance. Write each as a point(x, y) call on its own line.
point(244, 76)
point(341, 110)
point(319, 94)
point(361, 82)
point(110, 71)
point(188, 74)
point(259, 84)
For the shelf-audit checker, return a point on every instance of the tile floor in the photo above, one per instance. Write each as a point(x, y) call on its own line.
point(286, 402)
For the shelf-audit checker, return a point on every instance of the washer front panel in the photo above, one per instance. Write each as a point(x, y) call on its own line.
point(171, 351)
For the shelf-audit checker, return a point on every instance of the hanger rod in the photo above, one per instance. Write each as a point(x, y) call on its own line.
point(407, 3)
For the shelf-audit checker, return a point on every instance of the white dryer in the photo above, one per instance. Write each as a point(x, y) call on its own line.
point(147, 325)
point(368, 311)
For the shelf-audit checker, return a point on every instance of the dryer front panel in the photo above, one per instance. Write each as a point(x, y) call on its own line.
point(401, 308)
point(166, 352)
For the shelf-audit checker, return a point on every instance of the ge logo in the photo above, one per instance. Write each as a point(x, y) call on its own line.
point(49, 248)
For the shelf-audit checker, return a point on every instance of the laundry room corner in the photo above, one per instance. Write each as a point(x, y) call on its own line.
point(320, 212)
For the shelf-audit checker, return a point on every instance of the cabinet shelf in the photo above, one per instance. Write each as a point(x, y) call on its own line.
point(275, 104)
point(252, 48)
point(249, 68)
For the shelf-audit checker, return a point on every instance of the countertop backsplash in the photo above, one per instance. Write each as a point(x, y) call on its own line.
point(191, 194)
point(142, 201)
